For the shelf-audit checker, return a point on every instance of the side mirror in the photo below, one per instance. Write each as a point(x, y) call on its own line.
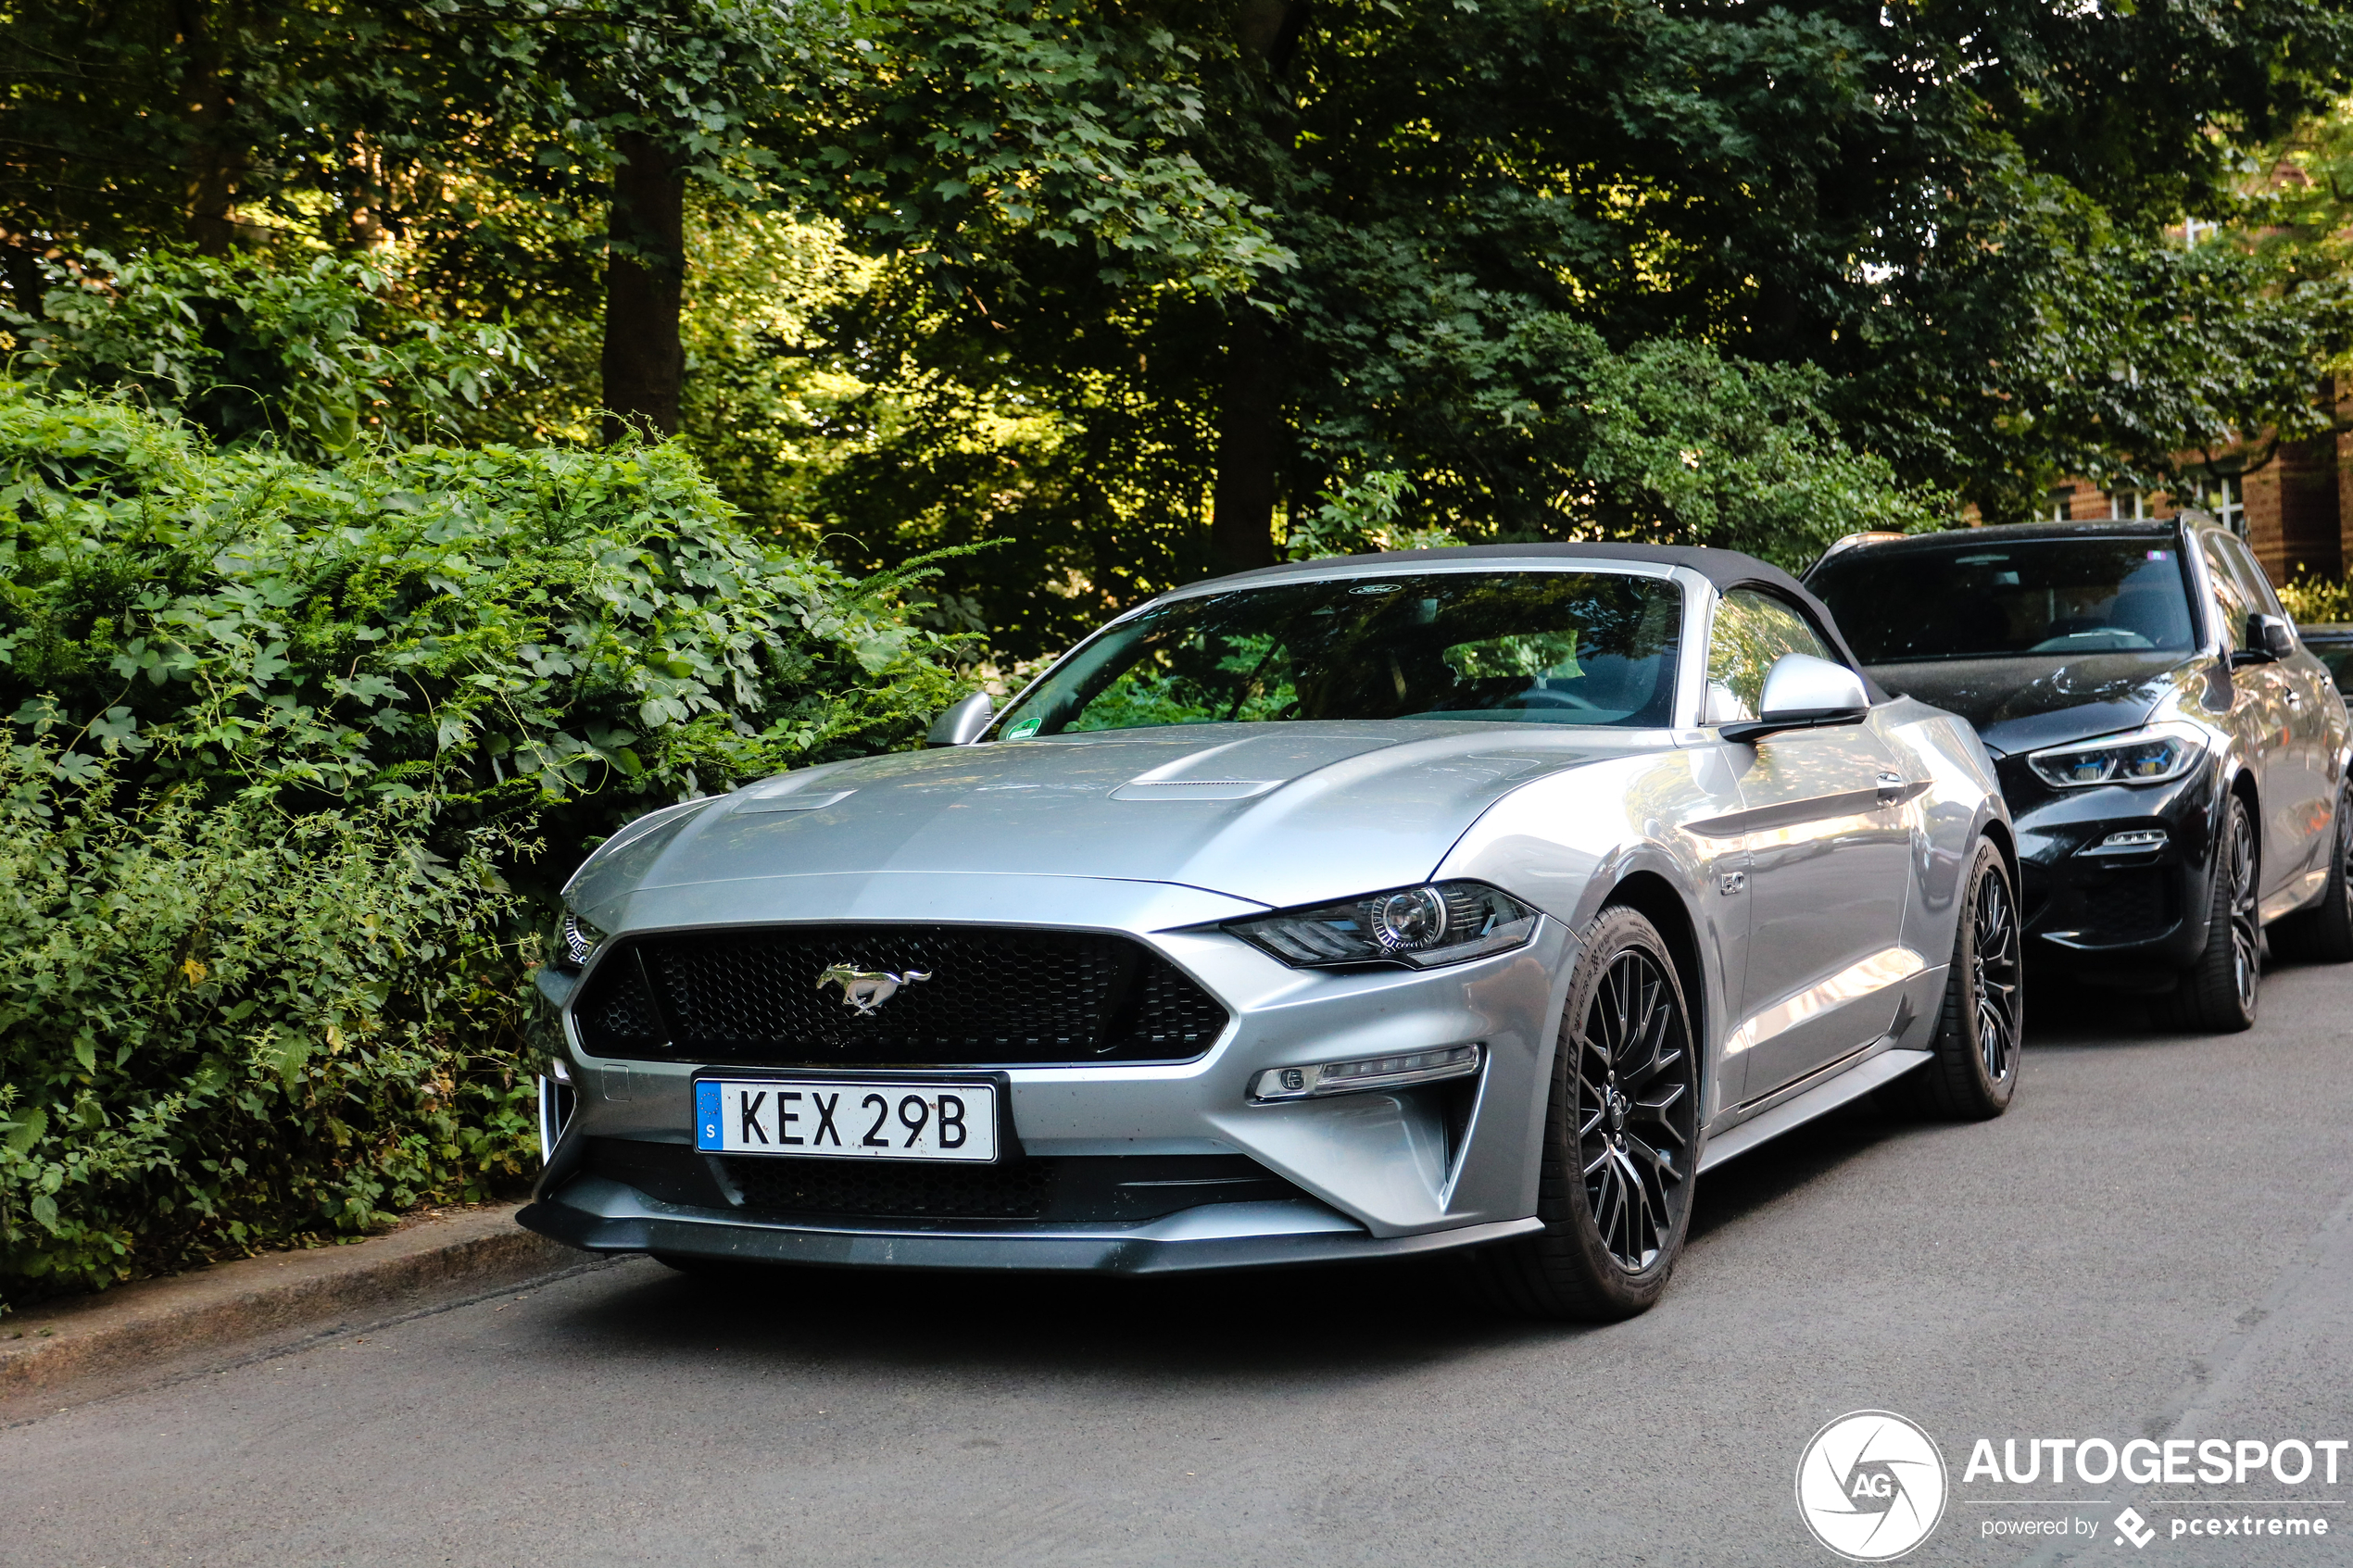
point(2269, 634)
point(961, 724)
point(1804, 693)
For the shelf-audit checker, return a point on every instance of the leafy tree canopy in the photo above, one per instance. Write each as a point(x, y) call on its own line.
point(1133, 286)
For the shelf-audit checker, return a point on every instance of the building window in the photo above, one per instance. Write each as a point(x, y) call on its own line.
point(2222, 499)
point(2128, 506)
point(2056, 503)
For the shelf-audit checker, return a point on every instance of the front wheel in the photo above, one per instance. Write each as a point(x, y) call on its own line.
point(1621, 1134)
point(1972, 1069)
point(2216, 995)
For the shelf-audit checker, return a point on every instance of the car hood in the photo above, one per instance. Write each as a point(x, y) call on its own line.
point(2026, 701)
point(1277, 814)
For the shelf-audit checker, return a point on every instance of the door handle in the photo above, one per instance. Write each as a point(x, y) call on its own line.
point(1891, 787)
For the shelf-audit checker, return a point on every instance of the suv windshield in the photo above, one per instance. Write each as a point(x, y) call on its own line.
point(1972, 598)
point(1546, 647)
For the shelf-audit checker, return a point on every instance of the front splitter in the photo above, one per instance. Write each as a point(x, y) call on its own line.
point(1093, 1251)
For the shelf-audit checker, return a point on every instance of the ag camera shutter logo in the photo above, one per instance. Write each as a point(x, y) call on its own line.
point(1871, 1485)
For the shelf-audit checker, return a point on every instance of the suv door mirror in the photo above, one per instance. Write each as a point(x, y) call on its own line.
point(1804, 693)
point(961, 724)
point(2268, 638)
point(2277, 635)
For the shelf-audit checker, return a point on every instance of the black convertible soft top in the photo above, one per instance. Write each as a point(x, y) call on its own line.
point(1726, 569)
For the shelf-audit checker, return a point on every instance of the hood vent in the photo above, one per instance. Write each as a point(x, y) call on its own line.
point(1194, 789)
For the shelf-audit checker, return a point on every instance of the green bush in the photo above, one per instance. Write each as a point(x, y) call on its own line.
point(2316, 601)
point(287, 740)
point(321, 359)
point(578, 634)
point(222, 1026)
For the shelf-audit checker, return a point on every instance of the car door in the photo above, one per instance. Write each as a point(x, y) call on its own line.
point(1827, 861)
point(2304, 775)
point(2261, 714)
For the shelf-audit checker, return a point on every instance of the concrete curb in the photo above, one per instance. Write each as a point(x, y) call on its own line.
point(153, 1320)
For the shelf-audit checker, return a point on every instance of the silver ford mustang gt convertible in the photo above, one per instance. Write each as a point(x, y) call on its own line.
point(1471, 898)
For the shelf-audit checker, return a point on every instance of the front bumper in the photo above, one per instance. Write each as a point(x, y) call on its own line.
point(1377, 1173)
point(600, 1216)
point(2089, 911)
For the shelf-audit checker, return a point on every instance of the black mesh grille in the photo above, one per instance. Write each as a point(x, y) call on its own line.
point(1115, 1188)
point(990, 996)
point(1017, 1190)
point(2126, 904)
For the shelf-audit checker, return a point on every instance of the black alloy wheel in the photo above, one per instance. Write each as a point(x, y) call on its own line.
point(1994, 977)
point(2324, 934)
point(1973, 1061)
point(1621, 1139)
point(2247, 930)
point(1630, 1094)
point(2217, 994)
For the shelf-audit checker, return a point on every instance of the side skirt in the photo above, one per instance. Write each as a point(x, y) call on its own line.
point(1851, 1084)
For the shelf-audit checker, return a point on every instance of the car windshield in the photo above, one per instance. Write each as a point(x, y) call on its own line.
point(1544, 647)
point(1977, 599)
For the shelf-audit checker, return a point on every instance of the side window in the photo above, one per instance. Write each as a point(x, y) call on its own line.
point(2253, 583)
point(2229, 596)
point(1753, 630)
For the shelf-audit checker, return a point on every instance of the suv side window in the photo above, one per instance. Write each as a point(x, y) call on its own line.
point(1751, 630)
point(2252, 580)
point(2230, 594)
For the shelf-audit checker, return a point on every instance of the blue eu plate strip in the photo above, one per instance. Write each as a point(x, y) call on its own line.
point(707, 1116)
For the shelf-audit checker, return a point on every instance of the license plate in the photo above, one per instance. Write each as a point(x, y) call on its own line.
point(842, 1118)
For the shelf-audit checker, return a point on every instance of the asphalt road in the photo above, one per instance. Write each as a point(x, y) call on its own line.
point(2157, 1241)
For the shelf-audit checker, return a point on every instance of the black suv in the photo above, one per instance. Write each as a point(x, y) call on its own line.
point(2175, 757)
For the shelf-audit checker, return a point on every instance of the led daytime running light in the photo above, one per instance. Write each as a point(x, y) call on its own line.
point(1371, 1073)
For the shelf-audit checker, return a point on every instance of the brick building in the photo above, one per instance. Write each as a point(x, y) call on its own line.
point(2297, 511)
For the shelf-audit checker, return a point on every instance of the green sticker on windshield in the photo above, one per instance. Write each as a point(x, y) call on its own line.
point(1024, 730)
point(1531, 656)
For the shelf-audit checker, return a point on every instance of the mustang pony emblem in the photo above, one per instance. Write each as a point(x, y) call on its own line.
point(867, 989)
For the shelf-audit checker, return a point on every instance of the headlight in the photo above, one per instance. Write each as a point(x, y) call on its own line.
point(580, 940)
point(2146, 755)
point(1439, 923)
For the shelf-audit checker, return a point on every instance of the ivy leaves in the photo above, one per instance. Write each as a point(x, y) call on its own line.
point(319, 358)
point(583, 634)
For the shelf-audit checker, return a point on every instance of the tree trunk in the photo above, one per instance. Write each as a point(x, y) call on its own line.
point(1251, 431)
point(207, 92)
point(20, 266)
point(1250, 444)
point(645, 274)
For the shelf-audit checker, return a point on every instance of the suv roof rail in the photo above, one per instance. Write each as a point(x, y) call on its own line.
point(1851, 540)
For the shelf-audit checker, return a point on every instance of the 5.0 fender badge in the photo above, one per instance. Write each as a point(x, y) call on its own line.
point(867, 989)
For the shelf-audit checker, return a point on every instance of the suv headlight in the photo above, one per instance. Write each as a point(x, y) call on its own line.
point(2153, 754)
point(1436, 923)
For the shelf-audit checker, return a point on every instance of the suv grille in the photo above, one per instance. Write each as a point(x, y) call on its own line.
point(993, 997)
